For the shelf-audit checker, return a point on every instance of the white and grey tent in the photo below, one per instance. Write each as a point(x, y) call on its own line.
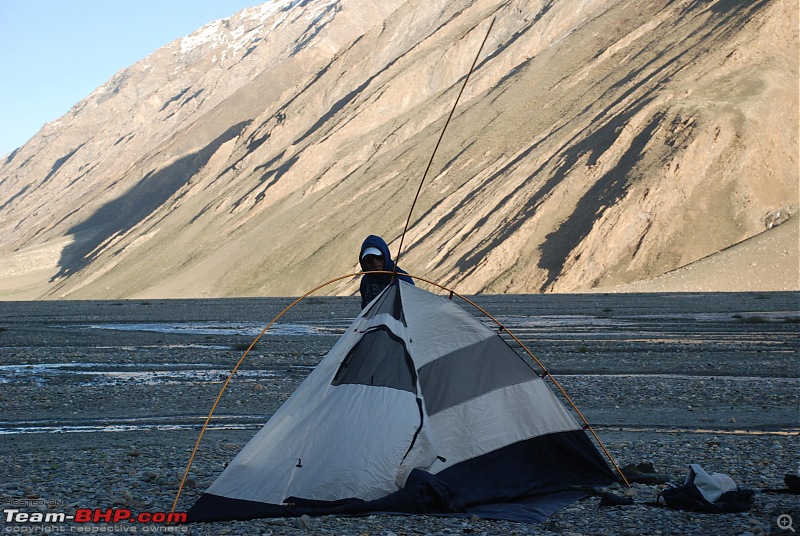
point(418, 408)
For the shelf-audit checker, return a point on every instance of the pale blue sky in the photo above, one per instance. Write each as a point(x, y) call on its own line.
point(53, 53)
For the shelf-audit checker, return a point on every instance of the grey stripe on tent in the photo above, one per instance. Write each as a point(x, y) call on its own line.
point(471, 372)
point(379, 359)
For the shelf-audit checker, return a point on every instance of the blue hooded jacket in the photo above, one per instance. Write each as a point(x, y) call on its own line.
point(373, 284)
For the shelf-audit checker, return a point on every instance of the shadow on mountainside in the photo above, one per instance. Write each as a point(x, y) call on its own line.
point(639, 86)
point(613, 185)
point(117, 217)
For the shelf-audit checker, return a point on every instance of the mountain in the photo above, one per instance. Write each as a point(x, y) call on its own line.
point(597, 143)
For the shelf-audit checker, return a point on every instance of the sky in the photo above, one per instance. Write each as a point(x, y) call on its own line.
point(53, 53)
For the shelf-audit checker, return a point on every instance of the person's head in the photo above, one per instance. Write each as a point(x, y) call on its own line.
point(372, 260)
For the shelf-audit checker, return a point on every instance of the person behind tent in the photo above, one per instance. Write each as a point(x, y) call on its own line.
point(375, 257)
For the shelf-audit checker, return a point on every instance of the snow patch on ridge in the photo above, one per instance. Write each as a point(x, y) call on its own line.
point(208, 34)
point(232, 33)
point(214, 32)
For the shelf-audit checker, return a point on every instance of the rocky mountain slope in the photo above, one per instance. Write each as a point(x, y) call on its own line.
point(597, 143)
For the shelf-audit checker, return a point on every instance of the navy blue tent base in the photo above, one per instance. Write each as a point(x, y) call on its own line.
point(534, 509)
point(498, 485)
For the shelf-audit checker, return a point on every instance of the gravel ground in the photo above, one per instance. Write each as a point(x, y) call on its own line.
point(102, 403)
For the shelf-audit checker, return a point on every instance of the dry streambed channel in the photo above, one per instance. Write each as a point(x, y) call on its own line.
point(669, 378)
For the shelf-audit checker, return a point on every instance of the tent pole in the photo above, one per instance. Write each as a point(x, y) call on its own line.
point(400, 251)
point(436, 147)
point(230, 377)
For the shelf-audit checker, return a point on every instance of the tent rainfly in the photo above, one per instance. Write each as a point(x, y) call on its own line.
point(418, 408)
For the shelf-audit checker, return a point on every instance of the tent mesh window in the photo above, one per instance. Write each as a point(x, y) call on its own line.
point(378, 359)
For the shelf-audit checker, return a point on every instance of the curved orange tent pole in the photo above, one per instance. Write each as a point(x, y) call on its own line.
point(230, 377)
point(587, 426)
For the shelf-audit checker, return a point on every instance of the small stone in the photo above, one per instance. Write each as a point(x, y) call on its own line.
point(148, 476)
point(302, 522)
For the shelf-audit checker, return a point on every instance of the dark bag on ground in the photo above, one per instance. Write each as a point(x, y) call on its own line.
point(700, 492)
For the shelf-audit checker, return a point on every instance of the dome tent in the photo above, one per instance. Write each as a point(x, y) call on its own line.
point(418, 408)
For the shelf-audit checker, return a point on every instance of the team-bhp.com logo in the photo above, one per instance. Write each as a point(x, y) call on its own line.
point(17, 518)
